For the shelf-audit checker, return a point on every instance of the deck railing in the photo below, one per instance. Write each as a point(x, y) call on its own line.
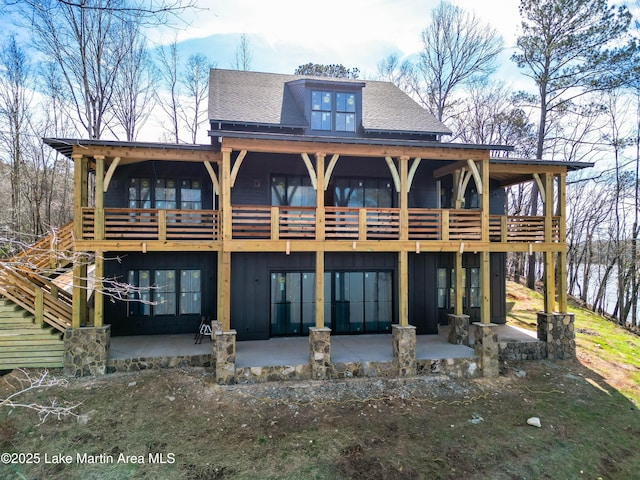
point(152, 224)
point(341, 223)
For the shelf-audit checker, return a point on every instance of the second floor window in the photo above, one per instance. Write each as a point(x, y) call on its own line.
point(165, 193)
point(293, 191)
point(333, 111)
point(321, 108)
point(345, 112)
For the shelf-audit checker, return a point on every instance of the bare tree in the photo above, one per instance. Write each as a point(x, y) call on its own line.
point(134, 93)
point(169, 99)
point(457, 48)
point(568, 48)
point(195, 81)
point(244, 55)
point(16, 82)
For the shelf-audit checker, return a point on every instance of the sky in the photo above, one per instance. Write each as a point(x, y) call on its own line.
point(284, 34)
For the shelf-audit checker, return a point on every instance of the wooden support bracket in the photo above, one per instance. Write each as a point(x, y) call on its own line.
point(310, 169)
point(394, 172)
point(236, 166)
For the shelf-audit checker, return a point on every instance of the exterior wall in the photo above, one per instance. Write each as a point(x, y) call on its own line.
point(498, 292)
point(423, 299)
point(116, 312)
point(117, 195)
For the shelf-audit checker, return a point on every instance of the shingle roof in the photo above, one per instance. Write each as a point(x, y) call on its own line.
point(237, 96)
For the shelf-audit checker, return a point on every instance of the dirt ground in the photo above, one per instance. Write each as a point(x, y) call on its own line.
point(178, 424)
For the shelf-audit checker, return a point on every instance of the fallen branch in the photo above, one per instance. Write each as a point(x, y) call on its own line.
point(43, 381)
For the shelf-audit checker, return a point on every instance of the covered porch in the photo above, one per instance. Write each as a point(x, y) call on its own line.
point(289, 357)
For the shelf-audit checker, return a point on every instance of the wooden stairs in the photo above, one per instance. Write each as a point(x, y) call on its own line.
point(34, 312)
point(26, 344)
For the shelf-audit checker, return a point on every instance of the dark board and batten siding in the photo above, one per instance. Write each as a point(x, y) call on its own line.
point(116, 312)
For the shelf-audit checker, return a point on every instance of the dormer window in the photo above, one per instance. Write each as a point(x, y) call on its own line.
point(333, 111)
point(345, 112)
point(321, 109)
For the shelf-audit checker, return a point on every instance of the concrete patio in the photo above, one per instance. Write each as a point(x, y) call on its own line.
point(295, 350)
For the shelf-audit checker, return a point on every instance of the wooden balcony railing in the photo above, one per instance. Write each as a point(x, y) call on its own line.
point(151, 224)
point(341, 223)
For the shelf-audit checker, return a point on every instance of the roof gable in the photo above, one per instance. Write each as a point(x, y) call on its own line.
point(270, 99)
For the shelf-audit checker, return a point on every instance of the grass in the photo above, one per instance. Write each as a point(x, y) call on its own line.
point(602, 346)
point(445, 430)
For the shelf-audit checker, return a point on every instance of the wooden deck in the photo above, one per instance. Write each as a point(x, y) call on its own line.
point(299, 223)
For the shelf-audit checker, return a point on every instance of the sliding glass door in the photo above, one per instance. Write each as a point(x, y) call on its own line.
point(355, 302)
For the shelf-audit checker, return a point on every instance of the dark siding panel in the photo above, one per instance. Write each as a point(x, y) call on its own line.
point(496, 199)
point(424, 192)
point(423, 306)
point(250, 289)
point(498, 295)
point(116, 311)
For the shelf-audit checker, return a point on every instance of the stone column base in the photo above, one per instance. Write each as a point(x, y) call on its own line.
point(557, 331)
point(458, 329)
point(320, 352)
point(404, 349)
point(487, 348)
point(86, 351)
point(225, 351)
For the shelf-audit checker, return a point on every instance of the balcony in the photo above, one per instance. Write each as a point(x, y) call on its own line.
point(299, 223)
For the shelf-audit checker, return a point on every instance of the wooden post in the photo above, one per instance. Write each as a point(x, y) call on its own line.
point(562, 243)
point(362, 224)
point(319, 289)
point(484, 212)
point(444, 225)
point(224, 290)
point(224, 255)
point(485, 288)
point(549, 266)
point(275, 223)
point(504, 238)
point(225, 195)
point(403, 200)
point(98, 297)
point(39, 306)
point(80, 183)
point(320, 214)
point(162, 225)
point(98, 225)
point(459, 284)
point(403, 288)
point(80, 200)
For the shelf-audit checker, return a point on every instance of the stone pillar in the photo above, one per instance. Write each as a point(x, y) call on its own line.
point(557, 331)
point(225, 350)
point(404, 349)
point(86, 350)
point(458, 329)
point(320, 352)
point(487, 348)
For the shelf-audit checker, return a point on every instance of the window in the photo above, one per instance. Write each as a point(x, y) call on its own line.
point(165, 194)
point(139, 299)
point(333, 111)
point(191, 195)
point(172, 292)
point(321, 107)
point(139, 193)
point(474, 287)
point(345, 112)
point(293, 191)
point(372, 192)
point(190, 292)
point(164, 295)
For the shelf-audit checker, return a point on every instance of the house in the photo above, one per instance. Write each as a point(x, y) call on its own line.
point(322, 207)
